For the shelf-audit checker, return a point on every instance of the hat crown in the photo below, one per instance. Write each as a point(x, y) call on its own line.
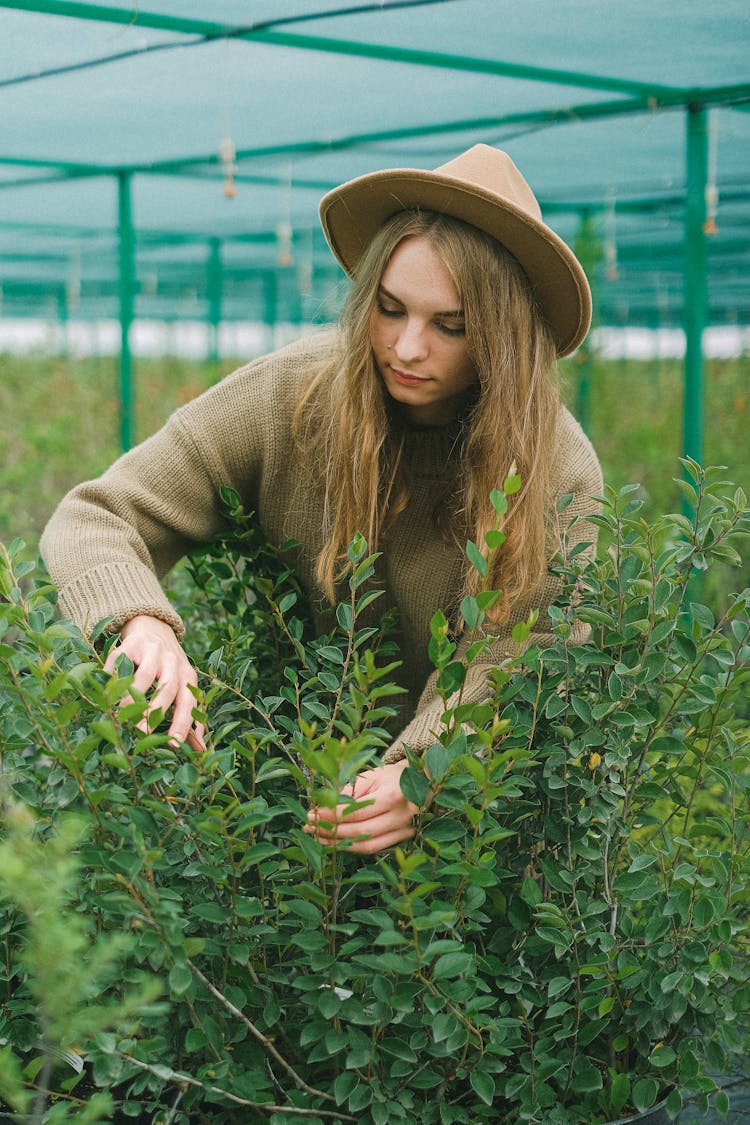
point(492, 170)
point(481, 187)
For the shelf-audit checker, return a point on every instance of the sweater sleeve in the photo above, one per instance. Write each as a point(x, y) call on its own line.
point(582, 478)
point(111, 540)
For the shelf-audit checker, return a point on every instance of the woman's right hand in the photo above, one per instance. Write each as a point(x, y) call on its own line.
point(159, 659)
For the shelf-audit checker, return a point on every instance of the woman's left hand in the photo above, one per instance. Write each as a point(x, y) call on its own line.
point(387, 820)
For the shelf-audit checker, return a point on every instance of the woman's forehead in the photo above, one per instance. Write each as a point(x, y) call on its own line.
point(416, 273)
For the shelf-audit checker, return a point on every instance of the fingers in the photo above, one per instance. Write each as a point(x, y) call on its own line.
point(381, 825)
point(159, 659)
point(369, 845)
point(386, 819)
point(181, 726)
point(364, 838)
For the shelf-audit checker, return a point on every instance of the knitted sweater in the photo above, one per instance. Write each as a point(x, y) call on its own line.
point(112, 539)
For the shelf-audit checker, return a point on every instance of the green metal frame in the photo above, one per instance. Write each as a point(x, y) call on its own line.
point(635, 97)
point(695, 280)
point(127, 295)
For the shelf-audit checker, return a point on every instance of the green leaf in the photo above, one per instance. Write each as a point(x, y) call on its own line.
point(641, 862)
point(674, 1103)
point(329, 1003)
point(512, 482)
point(437, 760)
point(187, 776)
point(494, 538)
point(521, 632)
point(287, 602)
point(451, 965)
point(344, 616)
point(668, 744)
point(531, 892)
point(558, 985)
point(644, 1093)
point(210, 912)
point(704, 912)
point(671, 980)
point(614, 686)
point(487, 598)
point(451, 677)
point(180, 979)
point(702, 615)
point(476, 558)
point(195, 1040)
point(619, 1093)
point(663, 1056)
point(605, 1006)
point(483, 1085)
point(415, 786)
point(587, 1078)
point(499, 501)
point(344, 1084)
point(470, 611)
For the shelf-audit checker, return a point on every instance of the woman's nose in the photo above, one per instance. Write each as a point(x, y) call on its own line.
point(412, 342)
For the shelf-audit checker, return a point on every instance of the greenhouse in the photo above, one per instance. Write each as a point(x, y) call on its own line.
point(162, 166)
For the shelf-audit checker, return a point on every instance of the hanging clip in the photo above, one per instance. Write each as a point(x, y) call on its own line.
point(712, 190)
point(227, 155)
point(611, 270)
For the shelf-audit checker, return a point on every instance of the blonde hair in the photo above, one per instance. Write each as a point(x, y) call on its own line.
point(355, 439)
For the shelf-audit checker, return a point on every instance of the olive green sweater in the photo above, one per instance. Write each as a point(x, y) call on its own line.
point(112, 539)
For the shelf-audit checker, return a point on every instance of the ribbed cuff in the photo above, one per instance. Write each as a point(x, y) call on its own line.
point(117, 591)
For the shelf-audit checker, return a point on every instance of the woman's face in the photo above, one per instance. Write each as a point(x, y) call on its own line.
point(418, 335)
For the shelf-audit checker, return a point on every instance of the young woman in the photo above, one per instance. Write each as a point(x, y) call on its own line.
point(398, 426)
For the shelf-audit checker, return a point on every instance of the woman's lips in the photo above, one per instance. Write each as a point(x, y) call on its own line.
point(406, 379)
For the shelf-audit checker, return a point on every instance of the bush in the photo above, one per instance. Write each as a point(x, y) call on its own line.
point(566, 938)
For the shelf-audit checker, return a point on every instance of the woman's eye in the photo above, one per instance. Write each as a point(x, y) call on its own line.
point(452, 329)
point(386, 310)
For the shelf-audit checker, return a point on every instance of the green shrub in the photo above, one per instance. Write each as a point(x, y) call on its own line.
point(566, 938)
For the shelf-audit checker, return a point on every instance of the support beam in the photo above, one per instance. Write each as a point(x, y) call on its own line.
point(696, 290)
point(126, 295)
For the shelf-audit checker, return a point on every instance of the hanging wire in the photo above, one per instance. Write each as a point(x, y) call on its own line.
point(197, 40)
point(227, 149)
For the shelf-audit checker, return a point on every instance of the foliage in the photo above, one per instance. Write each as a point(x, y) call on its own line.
point(65, 969)
point(565, 939)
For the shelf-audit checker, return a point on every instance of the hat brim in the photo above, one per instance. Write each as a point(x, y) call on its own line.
point(353, 213)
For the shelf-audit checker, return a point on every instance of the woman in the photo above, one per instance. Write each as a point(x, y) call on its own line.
point(398, 426)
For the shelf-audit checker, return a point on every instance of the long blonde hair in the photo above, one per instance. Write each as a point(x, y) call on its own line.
point(355, 440)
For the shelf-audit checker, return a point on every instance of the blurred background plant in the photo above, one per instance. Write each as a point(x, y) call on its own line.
point(632, 409)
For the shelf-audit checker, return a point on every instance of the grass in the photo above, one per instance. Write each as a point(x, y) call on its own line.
point(59, 425)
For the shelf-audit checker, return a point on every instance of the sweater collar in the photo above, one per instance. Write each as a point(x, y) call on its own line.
point(433, 451)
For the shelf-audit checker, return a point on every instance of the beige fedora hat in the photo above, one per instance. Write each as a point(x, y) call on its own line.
point(481, 186)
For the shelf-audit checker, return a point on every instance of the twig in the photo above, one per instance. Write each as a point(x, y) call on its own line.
point(175, 1076)
point(264, 1039)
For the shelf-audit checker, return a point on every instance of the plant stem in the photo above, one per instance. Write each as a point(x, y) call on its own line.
point(263, 1039)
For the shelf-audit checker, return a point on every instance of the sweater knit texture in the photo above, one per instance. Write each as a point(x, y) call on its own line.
point(112, 539)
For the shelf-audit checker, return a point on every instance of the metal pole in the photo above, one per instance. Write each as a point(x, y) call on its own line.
point(62, 316)
point(127, 288)
point(270, 303)
point(695, 287)
point(214, 298)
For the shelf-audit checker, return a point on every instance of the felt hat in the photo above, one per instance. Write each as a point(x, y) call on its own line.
point(481, 186)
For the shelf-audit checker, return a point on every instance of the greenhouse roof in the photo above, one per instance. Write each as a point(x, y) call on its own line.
point(178, 149)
